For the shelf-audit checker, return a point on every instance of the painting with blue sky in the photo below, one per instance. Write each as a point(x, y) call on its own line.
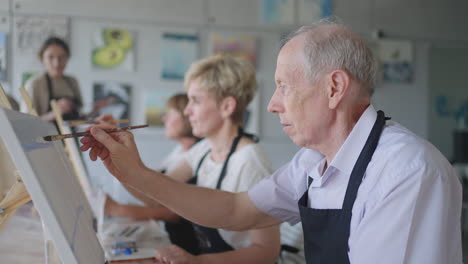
point(277, 11)
point(178, 51)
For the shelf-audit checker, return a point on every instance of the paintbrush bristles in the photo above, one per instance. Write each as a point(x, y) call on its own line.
point(87, 133)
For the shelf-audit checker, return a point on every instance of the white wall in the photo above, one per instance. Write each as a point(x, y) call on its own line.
point(407, 103)
point(422, 22)
point(447, 78)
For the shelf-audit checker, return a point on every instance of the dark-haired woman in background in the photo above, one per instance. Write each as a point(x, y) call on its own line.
point(53, 84)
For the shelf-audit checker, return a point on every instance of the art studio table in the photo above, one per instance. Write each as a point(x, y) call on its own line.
point(22, 240)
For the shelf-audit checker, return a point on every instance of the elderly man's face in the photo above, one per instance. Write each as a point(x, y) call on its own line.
point(301, 104)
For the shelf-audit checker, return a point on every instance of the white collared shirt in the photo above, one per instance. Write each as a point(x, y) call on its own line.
point(408, 206)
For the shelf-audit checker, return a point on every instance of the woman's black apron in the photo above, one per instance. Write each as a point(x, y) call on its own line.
point(326, 231)
point(74, 113)
point(209, 239)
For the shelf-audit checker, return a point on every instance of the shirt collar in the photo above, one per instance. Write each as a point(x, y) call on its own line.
point(347, 155)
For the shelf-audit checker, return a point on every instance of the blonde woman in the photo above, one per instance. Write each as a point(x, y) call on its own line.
point(219, 90)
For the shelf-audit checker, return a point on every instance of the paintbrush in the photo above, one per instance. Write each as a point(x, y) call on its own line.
point(87, 133)
point(74, 123)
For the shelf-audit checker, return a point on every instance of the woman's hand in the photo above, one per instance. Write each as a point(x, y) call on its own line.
point(117, 151)
point(66, 105)
point(111, 207)
point(175, 255)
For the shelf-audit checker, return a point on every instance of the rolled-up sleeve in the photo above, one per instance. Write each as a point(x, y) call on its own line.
point(279, 194)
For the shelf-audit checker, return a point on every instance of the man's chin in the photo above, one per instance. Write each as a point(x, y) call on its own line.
point(297, 141)
point(198, 134)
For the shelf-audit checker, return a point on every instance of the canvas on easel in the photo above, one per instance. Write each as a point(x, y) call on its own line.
point(50, 180)
point(72, 149)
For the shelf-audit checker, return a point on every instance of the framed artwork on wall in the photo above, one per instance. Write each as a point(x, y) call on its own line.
point(111, 98)
point(113, 49)
point(178, 51)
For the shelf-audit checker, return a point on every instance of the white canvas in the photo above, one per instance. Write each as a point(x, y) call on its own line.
point(53, 186)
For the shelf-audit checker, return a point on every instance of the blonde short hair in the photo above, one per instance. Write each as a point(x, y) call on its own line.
point(223, 76)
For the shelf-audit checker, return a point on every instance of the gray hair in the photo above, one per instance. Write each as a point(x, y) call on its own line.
point(337, 49)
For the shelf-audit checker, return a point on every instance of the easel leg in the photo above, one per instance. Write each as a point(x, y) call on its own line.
point(51, 254)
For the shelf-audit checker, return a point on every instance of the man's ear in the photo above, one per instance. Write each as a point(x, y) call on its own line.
point(228, 106)
point(338, 83)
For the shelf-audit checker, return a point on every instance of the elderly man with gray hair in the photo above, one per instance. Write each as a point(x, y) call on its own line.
point(366, 189)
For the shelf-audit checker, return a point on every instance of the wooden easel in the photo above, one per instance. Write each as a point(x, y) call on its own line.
point(82, 179)
point(27, 101)
point(17, 194)
point(51, 253)
point(4, 99)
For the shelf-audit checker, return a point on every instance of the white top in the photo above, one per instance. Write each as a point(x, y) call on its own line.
point(172, 160)
point(247, 166)
point(407, 208)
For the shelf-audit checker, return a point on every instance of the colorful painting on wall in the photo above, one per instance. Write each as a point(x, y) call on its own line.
point(111, 98)
point(396, 58)
point(277, 12)
point(3, 56)
point(155, 106)
point(311, 11)
point(114, 48)
point(236, 45)
point(178, 51)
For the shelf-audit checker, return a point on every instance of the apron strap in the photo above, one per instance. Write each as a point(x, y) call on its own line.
point(235, 142)
point(194, 179)
point(363, 161)
point(49, 90)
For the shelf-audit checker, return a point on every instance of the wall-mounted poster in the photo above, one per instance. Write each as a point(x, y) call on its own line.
point(32, 31)
point(277, 12)
point(114, 48)
point(3, 56)
point(178, 51)
point(111, 98)
point(311, 11)
point(155, 106)
point(234, 44)
point(396, 58)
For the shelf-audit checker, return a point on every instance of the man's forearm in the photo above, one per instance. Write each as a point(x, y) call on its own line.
point(141, 196)
point(140, 213)
point(204, 206)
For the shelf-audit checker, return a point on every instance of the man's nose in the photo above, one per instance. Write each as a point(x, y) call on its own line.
point(275, 106)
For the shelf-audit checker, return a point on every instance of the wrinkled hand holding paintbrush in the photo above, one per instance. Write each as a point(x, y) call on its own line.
point(117, 151)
